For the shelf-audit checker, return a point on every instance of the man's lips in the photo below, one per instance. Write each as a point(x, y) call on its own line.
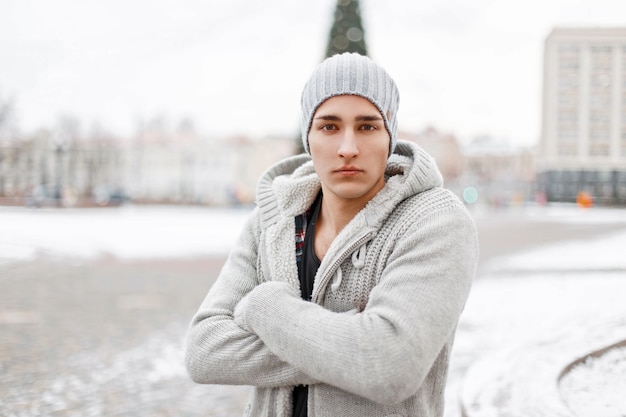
point(348, 170)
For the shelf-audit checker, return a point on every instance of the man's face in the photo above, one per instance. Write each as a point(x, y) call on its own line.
point(349, 146)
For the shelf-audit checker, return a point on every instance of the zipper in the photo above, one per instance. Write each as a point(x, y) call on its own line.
point(325, 279)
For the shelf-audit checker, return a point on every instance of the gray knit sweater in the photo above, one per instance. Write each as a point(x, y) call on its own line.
point(376, 338)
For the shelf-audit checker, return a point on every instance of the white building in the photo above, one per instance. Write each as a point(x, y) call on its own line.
point(200, 171)
point(152, 168)
point(583, 141)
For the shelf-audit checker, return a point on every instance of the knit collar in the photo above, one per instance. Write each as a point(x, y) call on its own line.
point(289, 187)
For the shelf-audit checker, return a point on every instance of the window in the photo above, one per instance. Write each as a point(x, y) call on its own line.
point(599, 149)
point(601, 49)
point(599, 116)
point(570, 48)
point(567, 149)
point(567, 135)
point(568, 100)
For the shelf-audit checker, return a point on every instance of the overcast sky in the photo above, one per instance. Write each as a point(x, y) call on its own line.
point(467, 67)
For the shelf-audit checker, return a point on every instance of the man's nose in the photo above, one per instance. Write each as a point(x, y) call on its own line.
point(348, 147)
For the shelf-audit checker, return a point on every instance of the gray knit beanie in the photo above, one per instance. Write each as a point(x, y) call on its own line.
point(353, 74)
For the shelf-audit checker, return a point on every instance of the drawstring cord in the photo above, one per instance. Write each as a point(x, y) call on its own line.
point(358, 260)
point(358, 257)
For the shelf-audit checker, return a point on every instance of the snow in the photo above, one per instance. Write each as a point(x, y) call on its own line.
point(600, 254)
point(534, 313)
point(143, 232)
point(605, 398)
point(128, 232)
point(605, 253)
point(531, 314)
point(519, 333)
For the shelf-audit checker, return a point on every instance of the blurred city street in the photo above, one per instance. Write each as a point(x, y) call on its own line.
point(92, 325)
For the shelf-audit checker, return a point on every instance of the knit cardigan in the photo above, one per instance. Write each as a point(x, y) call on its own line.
point(375, 340)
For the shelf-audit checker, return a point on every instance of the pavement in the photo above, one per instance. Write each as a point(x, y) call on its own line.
point(104, 337)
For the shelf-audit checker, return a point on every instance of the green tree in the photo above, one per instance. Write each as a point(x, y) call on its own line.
point(346, 33)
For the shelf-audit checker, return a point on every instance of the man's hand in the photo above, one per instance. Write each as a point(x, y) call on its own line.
point(264, 291)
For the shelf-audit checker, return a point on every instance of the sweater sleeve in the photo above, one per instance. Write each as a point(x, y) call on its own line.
point(385, 352)
point(217, 350)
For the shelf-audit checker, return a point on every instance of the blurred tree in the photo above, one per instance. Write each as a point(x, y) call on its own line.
point(68, 127)
point(346, 33)
point(186, 126)
point(6, 114)
point(65, 141)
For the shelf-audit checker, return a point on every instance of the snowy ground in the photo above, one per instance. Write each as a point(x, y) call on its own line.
point(544, 308)
point(606, 396)
point(148, 232)
point(518, 299)
point(128, 232)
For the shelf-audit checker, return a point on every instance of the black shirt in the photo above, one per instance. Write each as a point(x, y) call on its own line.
point(307, 268)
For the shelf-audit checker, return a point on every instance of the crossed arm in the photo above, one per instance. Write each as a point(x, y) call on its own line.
point(218, 351)
point(266, 335)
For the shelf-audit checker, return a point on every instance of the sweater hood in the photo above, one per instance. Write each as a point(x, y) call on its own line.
point(289, 187)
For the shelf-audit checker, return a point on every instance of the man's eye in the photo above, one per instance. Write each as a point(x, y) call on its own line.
point(328, 127)
point(368, 127)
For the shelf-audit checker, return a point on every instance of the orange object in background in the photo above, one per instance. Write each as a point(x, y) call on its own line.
point(584, 199)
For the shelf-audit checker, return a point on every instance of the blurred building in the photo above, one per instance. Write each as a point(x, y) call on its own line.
point(496, 172)
point(499, 172)
point(444, 148)
point(47, 169)
point(200, 171)
point(583, 142)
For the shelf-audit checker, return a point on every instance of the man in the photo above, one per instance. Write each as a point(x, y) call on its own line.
point(343, 293)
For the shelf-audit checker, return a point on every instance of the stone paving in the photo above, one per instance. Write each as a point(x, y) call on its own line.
point(103, 339)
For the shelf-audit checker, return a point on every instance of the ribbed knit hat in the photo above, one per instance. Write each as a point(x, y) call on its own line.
point(351, 74)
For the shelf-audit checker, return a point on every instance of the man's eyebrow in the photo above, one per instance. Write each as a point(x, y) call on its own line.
point(368, 118)
point(362, 118)
point(330, 117)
